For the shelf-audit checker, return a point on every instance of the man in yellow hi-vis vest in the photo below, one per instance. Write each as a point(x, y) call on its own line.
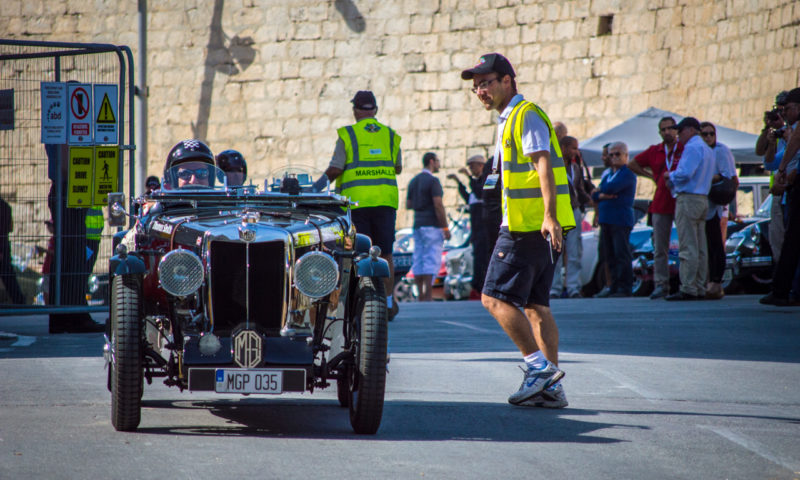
point(365, 164)
point(536, 212)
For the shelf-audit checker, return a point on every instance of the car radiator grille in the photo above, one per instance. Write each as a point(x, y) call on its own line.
point(228, 286)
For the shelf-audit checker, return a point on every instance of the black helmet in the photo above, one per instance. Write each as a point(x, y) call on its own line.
point(232, 161)
point(154, 181)
point(187, 151)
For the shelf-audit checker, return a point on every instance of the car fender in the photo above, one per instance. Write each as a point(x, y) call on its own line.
point(127, 264)
point(367, 267)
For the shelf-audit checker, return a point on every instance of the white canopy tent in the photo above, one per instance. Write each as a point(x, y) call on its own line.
point(641, 131)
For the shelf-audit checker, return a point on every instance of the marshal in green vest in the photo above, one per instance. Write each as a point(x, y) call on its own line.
point(369, 172)
point(523, 203)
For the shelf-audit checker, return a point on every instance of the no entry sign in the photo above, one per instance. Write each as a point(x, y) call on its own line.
point(80, 126)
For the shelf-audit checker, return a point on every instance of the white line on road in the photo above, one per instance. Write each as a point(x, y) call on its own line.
point(755, 447)
point(625, 382)
point(470, 327)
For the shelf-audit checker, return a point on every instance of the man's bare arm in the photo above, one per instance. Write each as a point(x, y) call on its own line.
point(547, 183)
point(791, 150)
point(441, 217)
point(333, 173)
point(634, 166)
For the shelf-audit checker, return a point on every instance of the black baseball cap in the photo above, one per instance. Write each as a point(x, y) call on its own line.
point(364, 100)
point(793, 96)
point(491, 62)
point(688, 122)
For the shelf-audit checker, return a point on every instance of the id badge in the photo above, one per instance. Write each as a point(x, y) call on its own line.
point(491, 181)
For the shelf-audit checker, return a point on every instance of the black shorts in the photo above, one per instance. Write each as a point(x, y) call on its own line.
point(378, 224)
point(520, 270)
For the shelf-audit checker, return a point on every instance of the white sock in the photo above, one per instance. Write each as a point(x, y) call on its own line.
point(389, 301)
point(536, 360)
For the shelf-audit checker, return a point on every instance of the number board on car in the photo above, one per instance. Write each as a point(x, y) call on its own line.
point(239, 380)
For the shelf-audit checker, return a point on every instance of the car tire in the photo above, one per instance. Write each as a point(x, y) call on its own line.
point(366, 376)
point(126, 374)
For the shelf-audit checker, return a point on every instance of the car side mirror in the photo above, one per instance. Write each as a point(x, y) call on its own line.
point(116, 210)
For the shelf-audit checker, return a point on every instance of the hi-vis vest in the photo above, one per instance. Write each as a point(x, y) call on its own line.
point(94, 223)
point(523, 204)
point(368, 176)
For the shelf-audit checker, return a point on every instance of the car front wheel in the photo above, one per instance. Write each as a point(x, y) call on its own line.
point(126, 356)
point(366, 376)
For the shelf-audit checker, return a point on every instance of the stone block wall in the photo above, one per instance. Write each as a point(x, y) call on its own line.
point(273, 79)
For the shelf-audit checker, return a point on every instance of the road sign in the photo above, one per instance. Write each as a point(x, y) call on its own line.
point(106, 169)
point(79, 189)
point(79, 128)
point(54, 112)
point(106, 102)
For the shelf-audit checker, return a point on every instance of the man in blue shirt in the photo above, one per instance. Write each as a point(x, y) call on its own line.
point(690, 183)
point(614, 199)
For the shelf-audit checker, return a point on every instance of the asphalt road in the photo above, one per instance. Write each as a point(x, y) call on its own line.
point(656, 390)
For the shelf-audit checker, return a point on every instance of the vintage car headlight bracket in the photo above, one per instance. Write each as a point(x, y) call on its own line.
point(180, 272)
point(316, 274)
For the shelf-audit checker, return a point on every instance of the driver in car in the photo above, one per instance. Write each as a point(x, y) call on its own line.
point(194, 162)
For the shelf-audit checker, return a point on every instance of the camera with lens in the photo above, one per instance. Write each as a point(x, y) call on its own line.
point(773, 115)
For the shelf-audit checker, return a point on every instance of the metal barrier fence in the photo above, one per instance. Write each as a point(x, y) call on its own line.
point(53, 259)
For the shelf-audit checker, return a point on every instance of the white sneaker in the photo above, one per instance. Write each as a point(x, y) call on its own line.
point(552, 397)
point(535, 381)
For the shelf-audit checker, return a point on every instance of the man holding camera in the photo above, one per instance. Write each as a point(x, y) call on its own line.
point(787, 177)
point(769, 143)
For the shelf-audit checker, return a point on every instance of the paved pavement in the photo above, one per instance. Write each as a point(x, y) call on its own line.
point(656, 390)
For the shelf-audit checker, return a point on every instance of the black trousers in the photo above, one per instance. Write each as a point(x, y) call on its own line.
point(616, 242)
point(790, 253)
point(716, 250)
point(480, 246)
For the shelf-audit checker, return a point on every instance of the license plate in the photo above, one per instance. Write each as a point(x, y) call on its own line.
point(238, 380)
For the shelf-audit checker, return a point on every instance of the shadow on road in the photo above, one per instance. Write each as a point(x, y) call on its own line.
point(402, 420)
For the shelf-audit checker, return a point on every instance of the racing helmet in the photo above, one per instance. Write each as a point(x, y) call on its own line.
point(232, 161)
point(186, 151)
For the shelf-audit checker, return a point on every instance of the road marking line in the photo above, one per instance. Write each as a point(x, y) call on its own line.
point(23, 341)
point(469, 327)
point(625, 382)
point(755, 447)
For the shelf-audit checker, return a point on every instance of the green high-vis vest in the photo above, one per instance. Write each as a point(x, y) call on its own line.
point(522, 194)
point(368, 176)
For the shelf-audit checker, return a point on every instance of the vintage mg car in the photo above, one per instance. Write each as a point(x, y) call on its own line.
point(239, 291)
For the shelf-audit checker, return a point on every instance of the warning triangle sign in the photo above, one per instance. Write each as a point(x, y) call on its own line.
point(106, 114)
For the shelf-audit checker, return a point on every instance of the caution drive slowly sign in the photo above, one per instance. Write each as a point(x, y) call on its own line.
point(81, 162)
point(93, 174)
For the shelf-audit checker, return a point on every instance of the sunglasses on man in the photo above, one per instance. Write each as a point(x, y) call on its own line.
point(188, 173)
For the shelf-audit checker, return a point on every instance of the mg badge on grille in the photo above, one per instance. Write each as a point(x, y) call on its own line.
point(247, 349)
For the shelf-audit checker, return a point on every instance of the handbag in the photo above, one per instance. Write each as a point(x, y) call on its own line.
point(724, 191)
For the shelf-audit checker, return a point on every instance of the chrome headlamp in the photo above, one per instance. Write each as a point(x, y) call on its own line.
point(316, 274)
point(180, 272)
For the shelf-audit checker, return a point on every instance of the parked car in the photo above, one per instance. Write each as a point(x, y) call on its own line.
point(749, 263)
point(233, 290)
